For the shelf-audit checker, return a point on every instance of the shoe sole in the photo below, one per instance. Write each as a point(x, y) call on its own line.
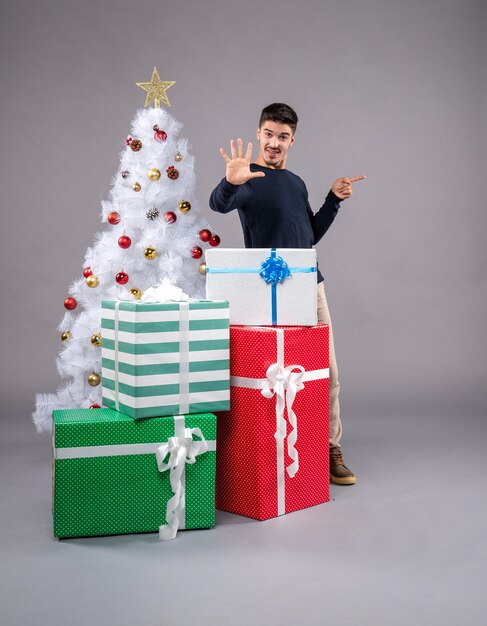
point(348, 480)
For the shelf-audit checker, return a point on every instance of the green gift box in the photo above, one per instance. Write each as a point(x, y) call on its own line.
point(115, 475)
point(165, 358)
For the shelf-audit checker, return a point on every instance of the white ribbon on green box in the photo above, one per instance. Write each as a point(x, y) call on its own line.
point(283, 383)
point(180, 449)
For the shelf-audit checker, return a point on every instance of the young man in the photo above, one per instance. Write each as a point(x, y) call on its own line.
point(274, 211)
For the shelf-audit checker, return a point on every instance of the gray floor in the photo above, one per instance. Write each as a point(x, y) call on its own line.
point(406, 545)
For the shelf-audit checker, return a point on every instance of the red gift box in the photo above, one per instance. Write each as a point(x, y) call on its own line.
point(273, 449)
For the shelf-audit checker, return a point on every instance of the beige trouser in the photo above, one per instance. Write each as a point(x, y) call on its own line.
point(335, 422)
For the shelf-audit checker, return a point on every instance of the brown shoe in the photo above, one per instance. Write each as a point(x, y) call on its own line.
point(339, 472)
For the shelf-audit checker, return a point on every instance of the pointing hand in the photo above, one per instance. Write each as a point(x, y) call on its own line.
point(342, 187)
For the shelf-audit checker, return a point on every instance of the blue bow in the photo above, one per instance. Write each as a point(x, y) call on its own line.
point(274, 270)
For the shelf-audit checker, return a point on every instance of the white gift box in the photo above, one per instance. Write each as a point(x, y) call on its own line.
point(265, 286)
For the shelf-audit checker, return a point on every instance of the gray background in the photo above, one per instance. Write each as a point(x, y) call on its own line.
point(395, 90)
point(392, 89)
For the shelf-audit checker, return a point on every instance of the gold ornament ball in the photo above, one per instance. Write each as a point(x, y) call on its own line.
point(66, 336)
point(92, 281)
point(136, 292)
point(178, 157)
point(96, 340)
point(150, 253)
point(185, 206)
point(94, 379)
point(202, 268)
point(137, 187)
point(154, 174)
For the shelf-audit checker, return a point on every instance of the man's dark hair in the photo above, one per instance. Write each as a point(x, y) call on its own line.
point(281, 113)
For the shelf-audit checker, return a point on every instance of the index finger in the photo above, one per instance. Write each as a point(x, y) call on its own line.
point(355, 178)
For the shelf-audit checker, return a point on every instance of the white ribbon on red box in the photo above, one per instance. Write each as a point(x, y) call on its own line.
point(284, 383)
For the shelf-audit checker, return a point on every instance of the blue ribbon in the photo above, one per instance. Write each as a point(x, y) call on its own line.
point(273, 270)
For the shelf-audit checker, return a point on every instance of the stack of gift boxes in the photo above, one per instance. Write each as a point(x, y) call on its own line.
point(252, 354)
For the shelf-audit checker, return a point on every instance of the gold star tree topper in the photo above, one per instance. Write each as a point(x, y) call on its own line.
point(156, 90)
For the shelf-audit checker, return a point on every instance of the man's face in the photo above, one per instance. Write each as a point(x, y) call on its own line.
point(275, 139)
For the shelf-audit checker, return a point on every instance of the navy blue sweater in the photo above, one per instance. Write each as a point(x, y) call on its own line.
point(274, 210)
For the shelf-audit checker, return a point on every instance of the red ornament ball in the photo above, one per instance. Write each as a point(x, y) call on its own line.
point(95, 406)
point(87, 272)
point(122, 278)
point(170, 217)
point(196, 252)
point(70, 304)
point(113, 218)
point(214, 240)
point(124, 241)
point(205, 234)
point(160, 136)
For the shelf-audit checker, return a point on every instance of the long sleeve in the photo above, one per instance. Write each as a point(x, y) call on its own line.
point(227, 197)
point(323, 219)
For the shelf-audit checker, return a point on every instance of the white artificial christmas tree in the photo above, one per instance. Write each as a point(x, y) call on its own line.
point(154, 233)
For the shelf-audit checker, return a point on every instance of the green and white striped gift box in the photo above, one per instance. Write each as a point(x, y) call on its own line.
point(165, 358)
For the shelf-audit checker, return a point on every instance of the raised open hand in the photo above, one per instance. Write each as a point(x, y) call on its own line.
point(238, 167)
point(342, 187)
